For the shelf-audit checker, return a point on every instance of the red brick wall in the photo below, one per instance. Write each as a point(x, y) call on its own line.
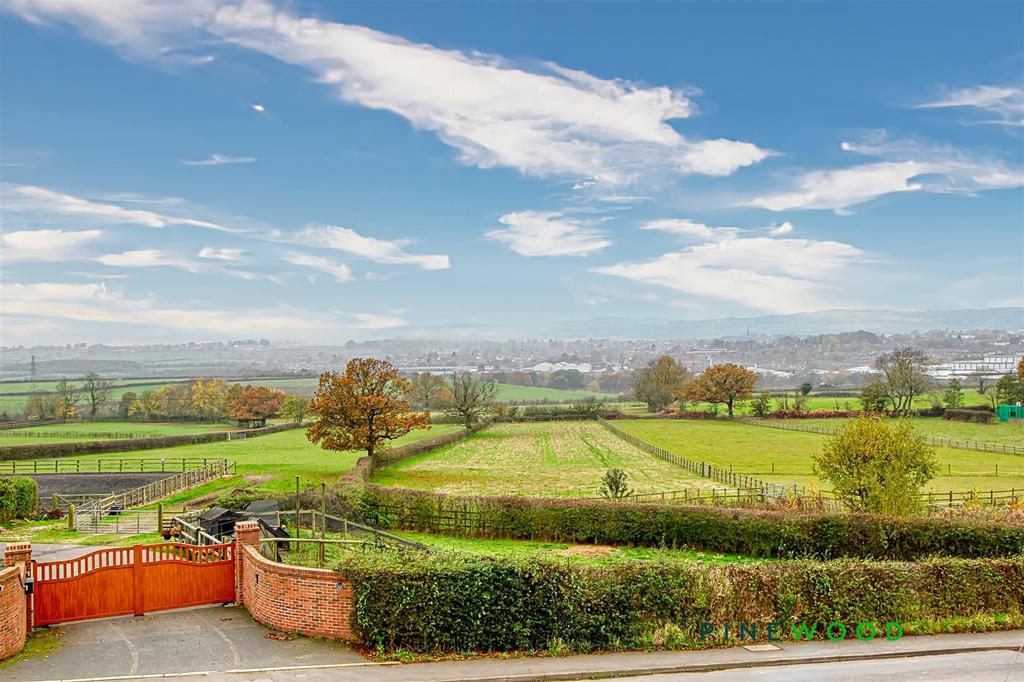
point(308, 601)
point(12, 612)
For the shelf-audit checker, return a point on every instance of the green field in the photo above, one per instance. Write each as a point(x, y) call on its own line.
point(813, 402)
point(590, 554)
point(551, 459)
point(755, 450)
point(270, 462)
point(1003, 433)
point(63, 433)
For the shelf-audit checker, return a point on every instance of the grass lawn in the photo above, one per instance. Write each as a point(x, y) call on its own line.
point(753, 450)
point(270, 462)
point(55, 532)
point(1011, 433)
point(591, 554)
point(971, 397)
point(60, 433)
point(553, 459)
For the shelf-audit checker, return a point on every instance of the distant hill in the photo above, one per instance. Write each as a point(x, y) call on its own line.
point(822, 322)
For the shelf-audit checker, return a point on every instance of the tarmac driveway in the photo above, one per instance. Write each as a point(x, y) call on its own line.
point(205, 639)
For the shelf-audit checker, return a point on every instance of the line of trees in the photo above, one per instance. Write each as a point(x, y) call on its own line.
point(665, 382)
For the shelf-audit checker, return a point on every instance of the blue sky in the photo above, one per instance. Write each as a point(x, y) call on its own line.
point(208, 169)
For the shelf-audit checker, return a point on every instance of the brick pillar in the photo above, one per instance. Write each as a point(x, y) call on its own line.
point(20, 554)
point(247, 534)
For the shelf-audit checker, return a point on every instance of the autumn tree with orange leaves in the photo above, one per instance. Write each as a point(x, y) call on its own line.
point(725, 383)
point(254, 403)
point(363, 408)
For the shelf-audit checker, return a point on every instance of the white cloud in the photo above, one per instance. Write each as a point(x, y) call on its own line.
point(839, 189)
point(259, 108)
point(373, 321)
point(149, 258)
point(338, 271)
point(378, 250)
point(218, 160)
point(761, 273)
point(721, 157)
point(45, 245)
point(214, 253)
point(89, 303)
point(1005, 102)
point(779, 230)
point(906, 166)
point(41, 200)
point(550, 233)
point(688, 228)
point(542, 119)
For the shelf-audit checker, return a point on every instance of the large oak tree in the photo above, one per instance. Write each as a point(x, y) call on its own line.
point(725, 383)
point(363, 408)
point(661, 383)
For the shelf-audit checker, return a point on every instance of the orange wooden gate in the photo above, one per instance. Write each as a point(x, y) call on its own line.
point(132, 581)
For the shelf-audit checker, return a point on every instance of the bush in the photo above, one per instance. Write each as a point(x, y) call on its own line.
point(741, 531)
point(18, 497)
point(972, 416)
point(450, 603)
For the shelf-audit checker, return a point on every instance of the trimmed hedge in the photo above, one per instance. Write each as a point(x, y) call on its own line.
point(89, 447)
point(974, 416)
point(450, 603)
point(18, 497)
point(741, 531)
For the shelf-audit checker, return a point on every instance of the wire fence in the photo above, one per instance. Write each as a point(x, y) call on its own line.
point(939, 441)
point(706, 470)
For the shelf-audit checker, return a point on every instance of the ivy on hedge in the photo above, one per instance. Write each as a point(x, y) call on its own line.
point(455, 603)
point(741, 531)
point(18, 497)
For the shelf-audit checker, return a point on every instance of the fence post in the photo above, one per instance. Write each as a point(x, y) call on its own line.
point(71, 517)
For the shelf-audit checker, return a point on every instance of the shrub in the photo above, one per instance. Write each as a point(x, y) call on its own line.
point(973, 416)
point(18, 497)
point(752, 532)
point(451, 603)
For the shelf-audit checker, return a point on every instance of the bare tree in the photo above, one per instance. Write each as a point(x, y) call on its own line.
point(67, 396)
point(96, 390)
point(471, 399)
point(904, 377)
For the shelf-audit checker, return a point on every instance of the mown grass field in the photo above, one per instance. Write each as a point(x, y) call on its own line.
point(1005, 433)
point(754, 450)
point(551, 459)
point(63, 433)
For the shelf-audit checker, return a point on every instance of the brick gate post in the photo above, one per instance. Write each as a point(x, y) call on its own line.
point(247, 534)
point(20, 554)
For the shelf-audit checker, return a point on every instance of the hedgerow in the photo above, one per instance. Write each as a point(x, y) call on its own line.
point(742, 531)
point(18, 497)
point(455, 603)
point(975, 416)
point(86, 447)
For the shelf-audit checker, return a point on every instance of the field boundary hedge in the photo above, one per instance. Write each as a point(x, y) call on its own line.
point(451, 604)
point(87, 447)
point(777, 534)
point(365, 467)
point(18, 497)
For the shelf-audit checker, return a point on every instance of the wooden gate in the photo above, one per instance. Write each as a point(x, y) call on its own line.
point(132, 581)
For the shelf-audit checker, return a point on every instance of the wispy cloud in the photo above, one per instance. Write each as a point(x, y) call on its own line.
point(389, 252)
point(760, 273)
point(548, 233)
point(150, 258)
point(1006, 103)
point(540, 118)
point(338, 271)
point(214, 253)
point(370, 321)
point(906, 166)
point(45, 245)
point(36, 200)
point(218, 160)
